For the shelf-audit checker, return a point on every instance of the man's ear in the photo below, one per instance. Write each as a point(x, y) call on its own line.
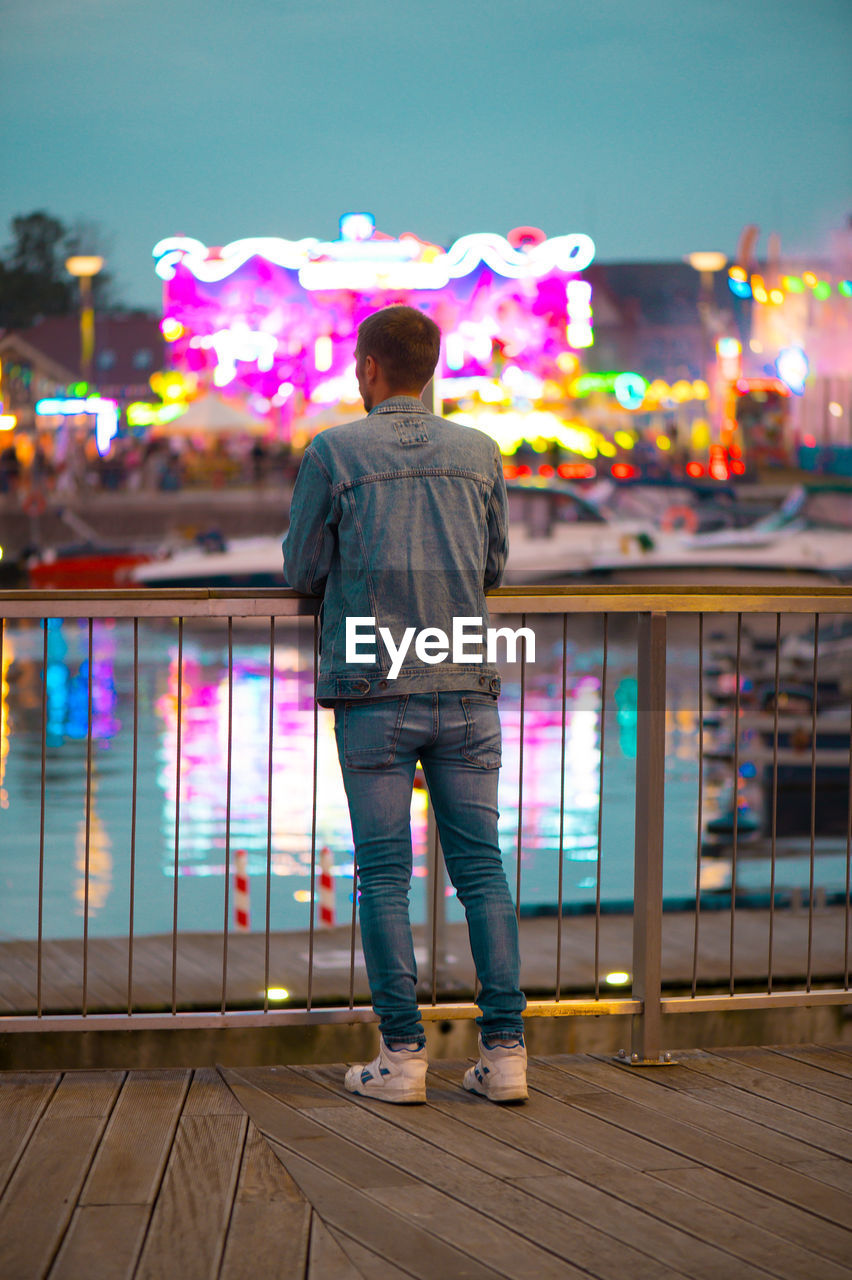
point(371, 369)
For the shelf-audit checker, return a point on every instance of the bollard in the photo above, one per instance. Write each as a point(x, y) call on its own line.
point(326, 889)
point(242, 919)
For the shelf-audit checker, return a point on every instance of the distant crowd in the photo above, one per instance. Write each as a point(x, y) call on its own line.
point(41, 467)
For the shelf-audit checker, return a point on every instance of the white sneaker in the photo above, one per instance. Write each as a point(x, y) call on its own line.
point(396, 1075)
point(500, 1074)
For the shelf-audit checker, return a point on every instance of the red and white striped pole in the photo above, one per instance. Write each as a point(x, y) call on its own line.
point(241, 893)
point(326, 889)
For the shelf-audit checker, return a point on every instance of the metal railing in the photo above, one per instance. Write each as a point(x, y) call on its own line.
point(655, 610)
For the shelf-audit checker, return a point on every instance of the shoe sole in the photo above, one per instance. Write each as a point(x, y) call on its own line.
point(385, 1095)
point(508, 1093)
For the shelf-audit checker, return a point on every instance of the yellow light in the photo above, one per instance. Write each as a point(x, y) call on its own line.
point(681, 391)
point(776, 296)
point(664, 443)
point(83, 264)
point(618, 978)
point(707, 260)
point(756, 346)
point(277, 993)
point(700, 435)
point(700, 389)
point(172, 329)
point(759, 293)
point(624, 440)
point(302, 895)
point(605, 448)
point(567, 362)
point(323, 353)
point(737, 273)
point(835, 409)
point(809, 278)
point(7, 421)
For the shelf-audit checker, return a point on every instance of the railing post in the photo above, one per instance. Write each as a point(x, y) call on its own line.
point(648, 847)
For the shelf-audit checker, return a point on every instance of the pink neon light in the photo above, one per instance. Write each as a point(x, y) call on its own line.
point(247, 317)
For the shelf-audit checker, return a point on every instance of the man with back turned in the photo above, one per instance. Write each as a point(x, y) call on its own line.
point(399, 521)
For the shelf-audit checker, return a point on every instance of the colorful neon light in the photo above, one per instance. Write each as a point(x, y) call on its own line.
point(407, 263)
point(247, 316)
point(579, 328)
point(743, 286)
point(105, 412)
point(792, 368)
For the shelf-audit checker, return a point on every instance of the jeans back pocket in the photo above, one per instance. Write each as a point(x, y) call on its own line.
point(370, 732)
point(483, 739)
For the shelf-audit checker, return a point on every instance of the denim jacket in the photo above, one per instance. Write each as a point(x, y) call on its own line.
point(400, 517)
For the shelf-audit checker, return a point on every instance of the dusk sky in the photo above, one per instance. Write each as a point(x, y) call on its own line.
point(657, 127)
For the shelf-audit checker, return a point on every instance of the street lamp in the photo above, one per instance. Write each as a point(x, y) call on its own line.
point(84, 266)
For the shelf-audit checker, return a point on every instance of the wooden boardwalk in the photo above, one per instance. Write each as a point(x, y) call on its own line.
point(199, 961)
point(735, 1163)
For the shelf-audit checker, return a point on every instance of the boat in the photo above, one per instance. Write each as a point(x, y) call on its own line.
point(557, 535)
point(87, 565)
point(806, 541)
point(237, 562)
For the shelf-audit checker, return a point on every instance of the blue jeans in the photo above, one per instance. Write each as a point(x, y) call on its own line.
point(456, 737)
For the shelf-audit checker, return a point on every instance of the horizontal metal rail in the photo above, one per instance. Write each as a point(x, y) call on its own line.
point(204, 602)
point(300, 1017)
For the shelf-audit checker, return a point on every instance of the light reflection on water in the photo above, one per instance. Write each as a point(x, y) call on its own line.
point(203, 790)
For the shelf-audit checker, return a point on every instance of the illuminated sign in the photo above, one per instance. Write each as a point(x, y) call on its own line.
point(105, 412)
point(275, 320)
point(380, 263)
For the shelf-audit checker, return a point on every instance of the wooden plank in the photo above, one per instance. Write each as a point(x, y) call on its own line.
point(836, 1172)
point(85, 1093)
point(294, 1130)
point(440, 1128)
point(405, 1243)
point(685, 1140)
point(209, 1095)
point(328, 1260)
point(479, 1188)
point(405, 1147)
point(566, 1134)
point(468, 1213)
point(190, 1219)
point(563, 1239)
point(353, 1260)
point(785, 1107)
point(270, 1224)
point(101, 1241)
point(133, 1152)
point(827, 1057)
point(697, 1107)
point(23, 1097)
point(694, 1215)
point(43, 1189)
point(787, 1222)
point(739, 1251)
point(797, 1072)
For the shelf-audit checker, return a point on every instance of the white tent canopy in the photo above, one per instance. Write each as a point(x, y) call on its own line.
point(210, 415)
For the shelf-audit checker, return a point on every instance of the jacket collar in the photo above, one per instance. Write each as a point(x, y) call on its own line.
point(400, 404)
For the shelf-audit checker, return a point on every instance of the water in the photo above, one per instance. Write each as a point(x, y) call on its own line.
point(203, 815)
